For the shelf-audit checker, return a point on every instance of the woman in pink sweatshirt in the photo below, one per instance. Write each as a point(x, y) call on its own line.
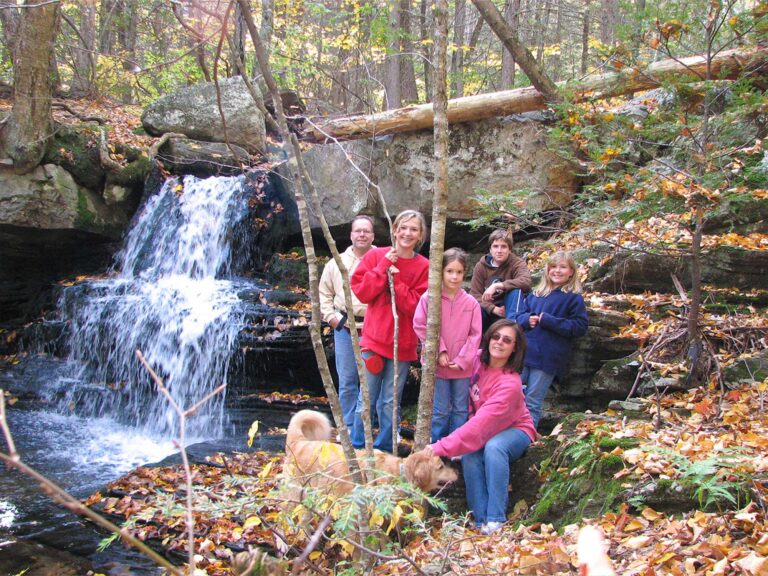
point(461, 327)
point(499, 429)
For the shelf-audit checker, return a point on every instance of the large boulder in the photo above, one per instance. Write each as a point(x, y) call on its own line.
point(194, 112)
point(49, 198)
point(496, 155)
point(341, 175)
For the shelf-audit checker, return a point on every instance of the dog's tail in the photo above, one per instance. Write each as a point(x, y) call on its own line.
point(308, 425)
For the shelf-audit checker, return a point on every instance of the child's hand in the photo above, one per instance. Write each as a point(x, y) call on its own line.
point(533, 321)
point(500, 311)
point(443, 360)
point(453, 366)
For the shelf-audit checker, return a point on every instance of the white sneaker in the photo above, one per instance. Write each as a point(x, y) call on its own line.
point(491, 527)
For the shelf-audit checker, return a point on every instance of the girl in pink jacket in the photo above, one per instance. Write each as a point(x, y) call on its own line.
point(460, 333)
point(499, 429)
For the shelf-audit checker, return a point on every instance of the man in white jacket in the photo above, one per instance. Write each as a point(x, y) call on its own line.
point(334, 311)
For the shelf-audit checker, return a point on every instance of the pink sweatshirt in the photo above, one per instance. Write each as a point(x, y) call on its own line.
point(496, 402)
point(461, 328)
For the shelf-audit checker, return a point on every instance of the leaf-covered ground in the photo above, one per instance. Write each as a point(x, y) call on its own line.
point(721, 440)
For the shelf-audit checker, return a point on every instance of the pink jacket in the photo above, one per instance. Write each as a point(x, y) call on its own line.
point(496, 402)
point(461, 329)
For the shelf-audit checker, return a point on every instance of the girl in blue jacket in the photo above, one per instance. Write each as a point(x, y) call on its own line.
point(552, 316)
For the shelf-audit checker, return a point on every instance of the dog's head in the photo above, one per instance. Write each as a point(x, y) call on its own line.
point(428, 472)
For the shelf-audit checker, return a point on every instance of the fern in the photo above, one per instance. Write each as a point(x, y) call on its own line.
point(710, 478)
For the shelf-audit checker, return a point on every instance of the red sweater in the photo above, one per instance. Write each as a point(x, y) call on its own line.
point(371, 286)
point(496, 402)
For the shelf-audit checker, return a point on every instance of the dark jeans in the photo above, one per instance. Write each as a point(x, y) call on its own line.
point(513, 305)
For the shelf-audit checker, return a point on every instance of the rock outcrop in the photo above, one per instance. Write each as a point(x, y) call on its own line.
point(497, 156)
point(723, 266)
point(49, 198)
point(194, 112)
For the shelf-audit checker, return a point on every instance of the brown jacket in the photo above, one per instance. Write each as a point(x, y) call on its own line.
point(513, 273)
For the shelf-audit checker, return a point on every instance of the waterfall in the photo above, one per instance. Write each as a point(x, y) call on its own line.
point(173, 298)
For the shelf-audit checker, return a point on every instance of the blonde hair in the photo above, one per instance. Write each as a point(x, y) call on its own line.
point(546, 286)
point(406, 215)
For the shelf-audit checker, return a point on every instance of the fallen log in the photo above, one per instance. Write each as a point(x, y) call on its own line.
point(728, 64)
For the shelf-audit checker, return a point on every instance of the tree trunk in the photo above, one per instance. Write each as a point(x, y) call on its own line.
point(28, 129)
point(106, 29)
point(393, 98)
point(542, 27)
point(408, 89)
point(237, 45)
point(585, 40)
point(512, 16)
point(521, 54)
point(267, 23)
point(727, 64)
point(608, 19)
point(554, 63)
point(11, 19)
point(457, 58)
point(84, 53)
point(426, 50)
point(437, 235)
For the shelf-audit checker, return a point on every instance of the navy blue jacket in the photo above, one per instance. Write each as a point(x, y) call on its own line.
point(549, 344)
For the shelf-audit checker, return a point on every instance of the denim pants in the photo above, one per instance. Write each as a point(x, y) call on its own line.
point(346, 368)
point(381, 393)
point(536, 383)
point(451, 406)
point(486, 474)
point(513, 303)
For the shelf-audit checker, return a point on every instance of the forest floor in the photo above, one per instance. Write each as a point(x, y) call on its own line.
point(713, 443)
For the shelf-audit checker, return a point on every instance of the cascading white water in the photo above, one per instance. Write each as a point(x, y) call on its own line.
point(172, 300)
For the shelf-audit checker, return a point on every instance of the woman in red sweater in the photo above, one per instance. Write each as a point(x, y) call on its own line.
point(370, 284)
point(499, 429)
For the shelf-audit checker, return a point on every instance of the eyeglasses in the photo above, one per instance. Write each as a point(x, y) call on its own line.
point(503, 337)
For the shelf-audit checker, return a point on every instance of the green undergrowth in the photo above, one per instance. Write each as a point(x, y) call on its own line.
point(580, 480)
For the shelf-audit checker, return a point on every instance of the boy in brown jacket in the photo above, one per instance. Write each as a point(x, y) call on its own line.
point(500, 280)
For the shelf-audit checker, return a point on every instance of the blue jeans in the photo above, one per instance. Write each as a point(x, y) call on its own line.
point(513, 303)
point(347, 371)
point(381, 395)
point(451, 406)
point(536, 383)
point(486, 474)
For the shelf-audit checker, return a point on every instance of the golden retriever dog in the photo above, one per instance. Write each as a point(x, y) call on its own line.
point(312, 460)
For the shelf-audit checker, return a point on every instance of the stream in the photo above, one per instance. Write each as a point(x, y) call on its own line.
point(85, 411)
